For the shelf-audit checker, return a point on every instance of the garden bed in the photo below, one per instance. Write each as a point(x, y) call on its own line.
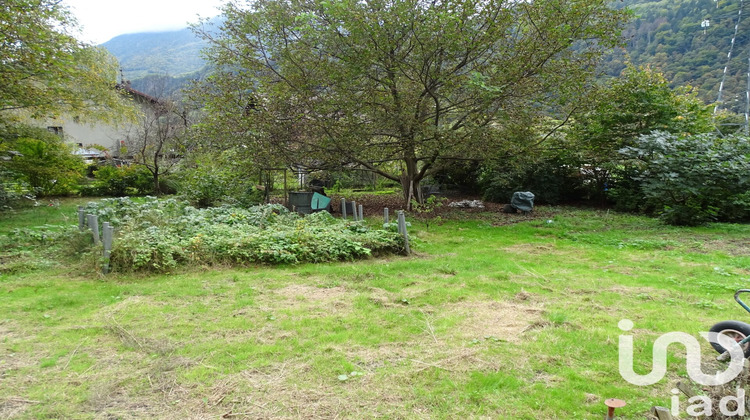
point(158, 235)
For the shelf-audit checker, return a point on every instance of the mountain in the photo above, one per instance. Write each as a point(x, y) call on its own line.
point(663, 34)
point(172, 53)
point(667, 36)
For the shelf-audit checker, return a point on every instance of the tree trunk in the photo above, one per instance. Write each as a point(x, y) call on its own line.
point(410, 180)
point(157, 189)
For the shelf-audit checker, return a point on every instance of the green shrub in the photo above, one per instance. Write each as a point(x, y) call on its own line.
point(550, 179)
point(159, 235)
point(26, 249)
point(12, 189)
point(212, 179)
point(692, 180)
point(205, 186)
point(41, 160)
point(122, 181)
point(459, 175)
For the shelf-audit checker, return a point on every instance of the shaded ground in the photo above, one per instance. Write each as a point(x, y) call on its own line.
point(373, 205)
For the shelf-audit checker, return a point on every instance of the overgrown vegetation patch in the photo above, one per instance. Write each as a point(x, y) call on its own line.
point(158, 235)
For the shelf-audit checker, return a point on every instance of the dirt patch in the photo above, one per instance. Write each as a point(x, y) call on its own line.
point(8, 330)
point(11, 361)
point(635, 291)
point(113, 400)
point(275, 392)
point(129, 386)
point(383, 298)
point(532, 249)
point(294, 390)
point(733, 247)
point(383, 355)
point(316, 301)
point(523, 295)
point(549, 380)
point(500, 320)
point(620, 290)
point(372, 204)
point(312, 293)
point(129, 305)
point(13, 407)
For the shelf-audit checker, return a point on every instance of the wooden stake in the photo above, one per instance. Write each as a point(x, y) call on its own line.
point(286, 195)
point(661, 413)
point(402, 223)
point(81, 218)
point(107, 236)
point(685, 388)
point(94, 225)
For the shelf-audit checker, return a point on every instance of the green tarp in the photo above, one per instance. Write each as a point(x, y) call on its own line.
point(319, 202)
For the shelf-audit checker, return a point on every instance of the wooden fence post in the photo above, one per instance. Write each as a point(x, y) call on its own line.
point(81, 218)
point(107, 235)
point(661, 413)
point(402, 224)
point(94, 225)
point(286, 193)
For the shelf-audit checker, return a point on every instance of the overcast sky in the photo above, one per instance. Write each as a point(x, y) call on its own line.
point(102, 20)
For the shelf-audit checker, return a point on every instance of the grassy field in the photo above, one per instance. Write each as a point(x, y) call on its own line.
point(495, 316)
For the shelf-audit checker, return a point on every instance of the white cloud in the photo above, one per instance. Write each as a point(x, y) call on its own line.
point(102, 20)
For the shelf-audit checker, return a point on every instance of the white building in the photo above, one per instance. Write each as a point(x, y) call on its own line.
point(90, 136)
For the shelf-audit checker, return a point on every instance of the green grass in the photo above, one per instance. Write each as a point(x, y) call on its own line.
point(52, 212)
point(496, 316)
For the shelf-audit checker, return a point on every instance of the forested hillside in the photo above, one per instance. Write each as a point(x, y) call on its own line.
point(173, 53)
point(667, 35)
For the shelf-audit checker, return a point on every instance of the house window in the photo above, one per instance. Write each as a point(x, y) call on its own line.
point(56, 130)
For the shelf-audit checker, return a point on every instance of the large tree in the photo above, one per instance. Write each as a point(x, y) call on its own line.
point(328, 83)
point(620, 111)
point(159, 138)
point(637, 102)
point(45, 70)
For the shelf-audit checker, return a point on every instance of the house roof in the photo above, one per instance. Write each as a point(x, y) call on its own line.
point(89, 153)
point(125, 86)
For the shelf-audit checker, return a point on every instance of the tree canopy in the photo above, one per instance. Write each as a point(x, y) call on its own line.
point(45, 70)
point(636, 103)
point(395, 86)
point(42, 163)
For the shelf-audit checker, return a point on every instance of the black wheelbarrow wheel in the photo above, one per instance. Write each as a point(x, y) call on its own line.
point(736, 330)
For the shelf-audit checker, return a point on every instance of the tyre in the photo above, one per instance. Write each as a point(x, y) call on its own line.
point(736, 330)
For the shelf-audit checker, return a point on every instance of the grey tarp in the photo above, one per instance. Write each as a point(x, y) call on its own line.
point(523, 201)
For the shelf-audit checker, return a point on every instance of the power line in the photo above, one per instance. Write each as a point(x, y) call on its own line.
point(729, 58)
point(747, 98)
point(720, 99)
